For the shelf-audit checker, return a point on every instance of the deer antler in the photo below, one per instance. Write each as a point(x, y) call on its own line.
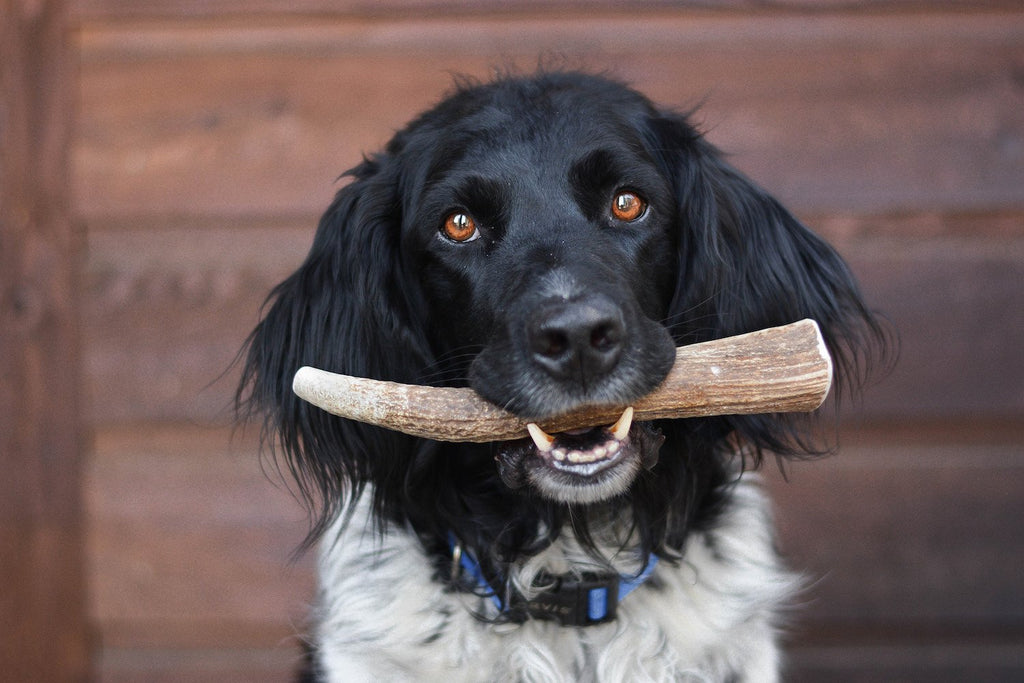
point(779, 369)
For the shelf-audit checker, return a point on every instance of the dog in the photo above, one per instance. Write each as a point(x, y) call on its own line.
point(547, 240)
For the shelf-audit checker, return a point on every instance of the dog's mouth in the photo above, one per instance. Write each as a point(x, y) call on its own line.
point(581, 465)
point(775, 370)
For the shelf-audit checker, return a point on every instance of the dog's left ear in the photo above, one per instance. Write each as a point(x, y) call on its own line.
point(746, 263)
point(346, 309)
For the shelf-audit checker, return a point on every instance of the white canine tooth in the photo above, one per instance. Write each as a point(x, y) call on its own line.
point(613, 447)
point(545, 442)
point(620, 430)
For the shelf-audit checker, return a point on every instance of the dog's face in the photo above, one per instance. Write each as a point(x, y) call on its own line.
point(547, 241)
point(555, 255)
point(548, 251)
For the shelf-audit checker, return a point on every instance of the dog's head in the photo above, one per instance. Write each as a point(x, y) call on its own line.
point(547, 241)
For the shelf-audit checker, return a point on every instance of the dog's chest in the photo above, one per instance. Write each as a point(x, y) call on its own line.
point(710, 617)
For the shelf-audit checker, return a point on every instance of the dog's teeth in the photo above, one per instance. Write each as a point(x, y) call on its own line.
point(620, 430)
point(584, 457)
point(543, 440)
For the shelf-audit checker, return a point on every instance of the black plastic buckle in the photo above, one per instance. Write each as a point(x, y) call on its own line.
point(589, 601)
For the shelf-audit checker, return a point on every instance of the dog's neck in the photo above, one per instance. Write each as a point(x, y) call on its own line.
point(566, 582)
point(578, 598)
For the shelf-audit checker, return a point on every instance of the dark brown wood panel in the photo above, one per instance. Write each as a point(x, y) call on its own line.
point(909, 540)
point(210, 141)
point(958, 306)
point(186, 528)
point(909, 527)
point(874, 663)
point(168, 309)
point(856, 113)
point(118, 9)
point(44, 633)
point(953, 661)
point(242, 665)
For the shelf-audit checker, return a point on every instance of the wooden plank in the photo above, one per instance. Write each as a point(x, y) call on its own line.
point(199, 665)
point(902, 585)
point(958, 306)
point(167, 310)
point(95, 10)
point(909, 662)
point(43, 632)
point(846, 228)
point(909, 527)
point(913, 662)
point(858, 113)
point(190, 542)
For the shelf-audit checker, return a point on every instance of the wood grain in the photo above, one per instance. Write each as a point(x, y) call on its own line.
point(209, 142)
point(187, 528)
point(189, 541)
point(855, 113)
point(172, 303)
point(910, 658)
point(914, 525)
point(93, 10)
point(43, 628)
point(939, 292)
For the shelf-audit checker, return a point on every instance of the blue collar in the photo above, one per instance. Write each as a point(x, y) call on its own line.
point(590, 599)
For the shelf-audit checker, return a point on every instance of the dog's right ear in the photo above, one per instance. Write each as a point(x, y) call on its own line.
point(345, 310)
point(745, 263)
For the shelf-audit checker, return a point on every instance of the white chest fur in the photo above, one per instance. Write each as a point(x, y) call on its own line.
point(711, 617)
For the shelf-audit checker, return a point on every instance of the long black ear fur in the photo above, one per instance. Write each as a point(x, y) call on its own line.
point(344, 310)
point(746, 263)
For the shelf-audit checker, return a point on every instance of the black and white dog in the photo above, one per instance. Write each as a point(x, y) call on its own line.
point(547, 241)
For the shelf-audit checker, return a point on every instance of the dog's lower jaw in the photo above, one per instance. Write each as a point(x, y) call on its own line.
point(608, 486)
point(521, 465)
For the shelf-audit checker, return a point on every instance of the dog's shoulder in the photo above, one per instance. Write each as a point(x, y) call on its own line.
point(711, 616)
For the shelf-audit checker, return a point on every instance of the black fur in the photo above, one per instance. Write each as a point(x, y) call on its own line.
point(536, 162)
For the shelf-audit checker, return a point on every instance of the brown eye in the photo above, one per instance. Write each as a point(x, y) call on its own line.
point(628, 206)
point(460, 227)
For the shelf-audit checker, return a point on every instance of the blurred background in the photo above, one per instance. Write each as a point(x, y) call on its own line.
point(163, 165)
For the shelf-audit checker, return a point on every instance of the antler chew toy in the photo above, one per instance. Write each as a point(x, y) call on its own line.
point(775, 370)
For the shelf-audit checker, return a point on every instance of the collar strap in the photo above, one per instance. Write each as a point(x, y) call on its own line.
point(591, 599)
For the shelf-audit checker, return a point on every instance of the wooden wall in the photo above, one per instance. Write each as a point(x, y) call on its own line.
point(209, 138)
point(43, 623)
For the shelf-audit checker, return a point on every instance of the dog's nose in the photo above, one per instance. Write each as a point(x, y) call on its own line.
point(579, 340)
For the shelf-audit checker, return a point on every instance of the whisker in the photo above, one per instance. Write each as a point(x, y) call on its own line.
point(450, 367)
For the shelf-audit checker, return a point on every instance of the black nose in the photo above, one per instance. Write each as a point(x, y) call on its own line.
point(578, 340)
